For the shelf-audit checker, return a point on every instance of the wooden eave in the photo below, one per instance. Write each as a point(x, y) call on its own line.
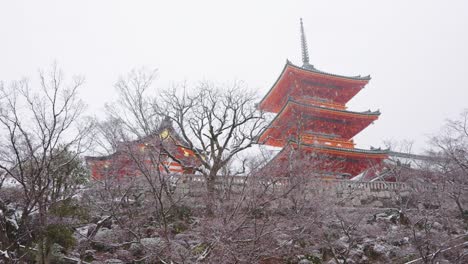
point(317, 111)
point(269, 103)
point(354, 152)
point(359, 154)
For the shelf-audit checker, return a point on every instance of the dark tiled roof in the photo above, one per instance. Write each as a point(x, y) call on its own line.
point(311, 68)
point(356, 150)
point(368, 112)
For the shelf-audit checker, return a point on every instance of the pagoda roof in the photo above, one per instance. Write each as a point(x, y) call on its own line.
point(343, 87)
point(363, 113)
point(309, 159)
point(346, 124)
point(381, 153)
point(370, 153)
point(311, 68)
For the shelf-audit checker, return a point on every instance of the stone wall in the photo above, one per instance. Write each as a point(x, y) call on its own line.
point(352, 193)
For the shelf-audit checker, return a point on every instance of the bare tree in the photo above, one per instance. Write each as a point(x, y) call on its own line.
point(134, 106)
point(43, 132)
point(432, 210)
point(216, 123)
point(451, 148)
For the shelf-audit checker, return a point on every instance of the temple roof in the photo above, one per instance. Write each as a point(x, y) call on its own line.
point(336, 151)
point(347, 86)
point(311, 68)
point(165, 134)
point(350, 150)
point(372, 151)
point(364, 113)
point(314, 158)
point(317, 119)
point(338, 88)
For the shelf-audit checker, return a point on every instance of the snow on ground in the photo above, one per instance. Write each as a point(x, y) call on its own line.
point(10, 182)
point(4, 254)
point(12, 222)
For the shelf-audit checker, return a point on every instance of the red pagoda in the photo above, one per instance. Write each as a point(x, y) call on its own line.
point(312, 123)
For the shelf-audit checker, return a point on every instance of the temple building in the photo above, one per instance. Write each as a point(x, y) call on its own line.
point(313, 126)
point(149, 154)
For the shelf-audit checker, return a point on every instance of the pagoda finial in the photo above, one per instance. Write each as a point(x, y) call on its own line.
point(305, 51)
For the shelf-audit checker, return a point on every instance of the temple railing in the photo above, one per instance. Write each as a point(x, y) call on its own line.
point(343, 184)
point(338, 185)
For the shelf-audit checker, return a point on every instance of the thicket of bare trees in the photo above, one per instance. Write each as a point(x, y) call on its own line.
point(433, 210)
point(451, 150)
point(215, 216)
point(43, 135)
point(260, 222)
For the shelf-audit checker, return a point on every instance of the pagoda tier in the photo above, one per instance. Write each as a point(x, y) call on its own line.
point(324, 161)
point(297, 82)
point(315, 124)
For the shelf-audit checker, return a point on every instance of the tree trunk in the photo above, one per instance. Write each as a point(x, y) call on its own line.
point(43, 248)
point(211, 193)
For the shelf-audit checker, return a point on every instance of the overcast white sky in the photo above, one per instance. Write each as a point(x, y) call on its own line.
point(415, 51)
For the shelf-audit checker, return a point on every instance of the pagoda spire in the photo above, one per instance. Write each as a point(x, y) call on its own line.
point(305, 51)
